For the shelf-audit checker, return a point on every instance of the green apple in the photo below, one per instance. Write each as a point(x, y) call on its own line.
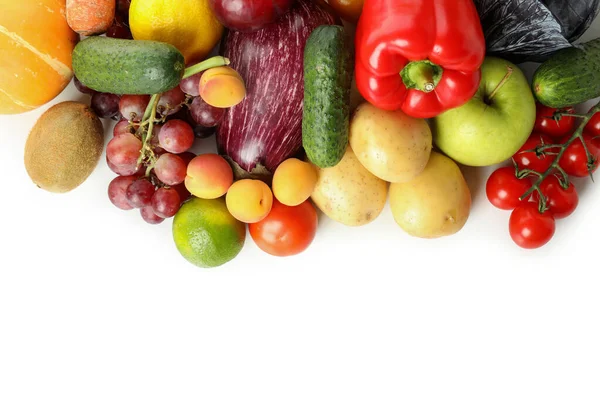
point(494, 124)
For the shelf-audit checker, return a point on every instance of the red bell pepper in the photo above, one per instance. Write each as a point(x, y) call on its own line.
point(420, 56)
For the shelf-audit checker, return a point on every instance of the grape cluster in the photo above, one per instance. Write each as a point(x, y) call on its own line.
point(150, 156)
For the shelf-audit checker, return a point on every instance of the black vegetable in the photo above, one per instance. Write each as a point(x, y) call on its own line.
point(533, 30)
point(574, 16)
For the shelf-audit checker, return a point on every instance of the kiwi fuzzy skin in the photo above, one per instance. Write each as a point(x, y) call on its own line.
point(64, 147)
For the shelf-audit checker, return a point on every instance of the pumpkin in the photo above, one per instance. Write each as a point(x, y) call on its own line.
point(35, 48)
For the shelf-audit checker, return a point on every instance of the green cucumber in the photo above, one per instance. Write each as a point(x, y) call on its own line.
point(328, 66)
point(123, 66)
point(569, 77)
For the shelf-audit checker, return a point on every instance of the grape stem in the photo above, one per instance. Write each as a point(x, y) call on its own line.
point(149, 116)
point(578, 134)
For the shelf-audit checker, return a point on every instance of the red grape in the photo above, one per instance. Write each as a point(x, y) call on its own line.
point(191, 85)
point(202, 132)
point(187, 157)
point(82, 88)
point(170, 169)
point(127, 170)
point(149, 216)
point(139, 193)
point(124, 151)
point(204, 114)
point(184, 194)
point(166, 202)
point(123, 8)
point(106, 105)
point(117, 191)
point(170, 102)
point(176, 136)
point(123, 128)
point(133, 106)
point(119, 31)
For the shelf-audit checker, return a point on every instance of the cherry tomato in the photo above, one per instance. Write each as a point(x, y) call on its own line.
point(592, 140)
point(526, 159)
point(349, 10)
point(574, 160)
point(286, 231)
point(544, 123)
point(504, 189)
point(529, 228)
point(560, 202)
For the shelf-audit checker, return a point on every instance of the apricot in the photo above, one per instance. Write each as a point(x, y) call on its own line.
point(222, 87)
point(209, 176)
point(294, 181)
point(249, 200)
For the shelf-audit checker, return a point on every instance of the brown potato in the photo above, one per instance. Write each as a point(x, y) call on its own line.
point(436, 203)
point(390, 144)
point(348, 193)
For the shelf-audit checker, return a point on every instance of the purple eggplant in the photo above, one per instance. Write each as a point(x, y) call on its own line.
point(266, 127)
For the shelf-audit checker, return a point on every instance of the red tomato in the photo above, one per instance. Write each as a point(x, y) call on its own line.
point(529, 228)
point(561, 202)
point(286, 231)
point(574, 160)
point(593, 125)
point(544, 123)
point(529, 159)
point(504, 189)
point(592, 140)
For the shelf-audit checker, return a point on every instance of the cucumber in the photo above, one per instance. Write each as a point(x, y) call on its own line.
point(569, 77)
point(328, 66)
point(123, 66)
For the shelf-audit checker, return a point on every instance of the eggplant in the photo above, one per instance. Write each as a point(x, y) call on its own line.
point(266, 127)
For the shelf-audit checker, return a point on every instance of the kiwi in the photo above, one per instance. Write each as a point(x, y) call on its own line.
point(64, 147)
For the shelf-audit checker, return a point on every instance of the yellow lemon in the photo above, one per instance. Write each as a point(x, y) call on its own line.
point(189, 25)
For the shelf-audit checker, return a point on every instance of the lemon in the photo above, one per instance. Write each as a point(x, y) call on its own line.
point(206, 234)
point(189, 25)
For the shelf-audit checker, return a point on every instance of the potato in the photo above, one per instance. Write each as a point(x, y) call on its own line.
point(348, 193)
point(390, 144)
point(436, 203)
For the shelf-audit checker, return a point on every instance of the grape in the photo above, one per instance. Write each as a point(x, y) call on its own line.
point(171, 101)
point(176, 136)
point(106, 105)
point(187, 157)
point(133, 106)
point(184, 194)
point(139, 193)
point(191, 85)
point(117, 189)
point(82, 88)
point(166, 202)
point(119, 31)
point(123, 151)
point(154, 142)
point(204, 114)
point(123, 128)
point(123, 8)
point(150, 217)
point(202, 132)
point(170, 169)
point(127, 170)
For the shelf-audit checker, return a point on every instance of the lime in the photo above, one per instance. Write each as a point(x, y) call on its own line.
point(206, 234)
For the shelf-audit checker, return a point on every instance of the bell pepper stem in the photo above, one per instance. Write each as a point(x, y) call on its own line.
point(213, 62)
point(421, 75)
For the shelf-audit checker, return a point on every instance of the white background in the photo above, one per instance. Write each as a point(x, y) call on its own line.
point(96, 304)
